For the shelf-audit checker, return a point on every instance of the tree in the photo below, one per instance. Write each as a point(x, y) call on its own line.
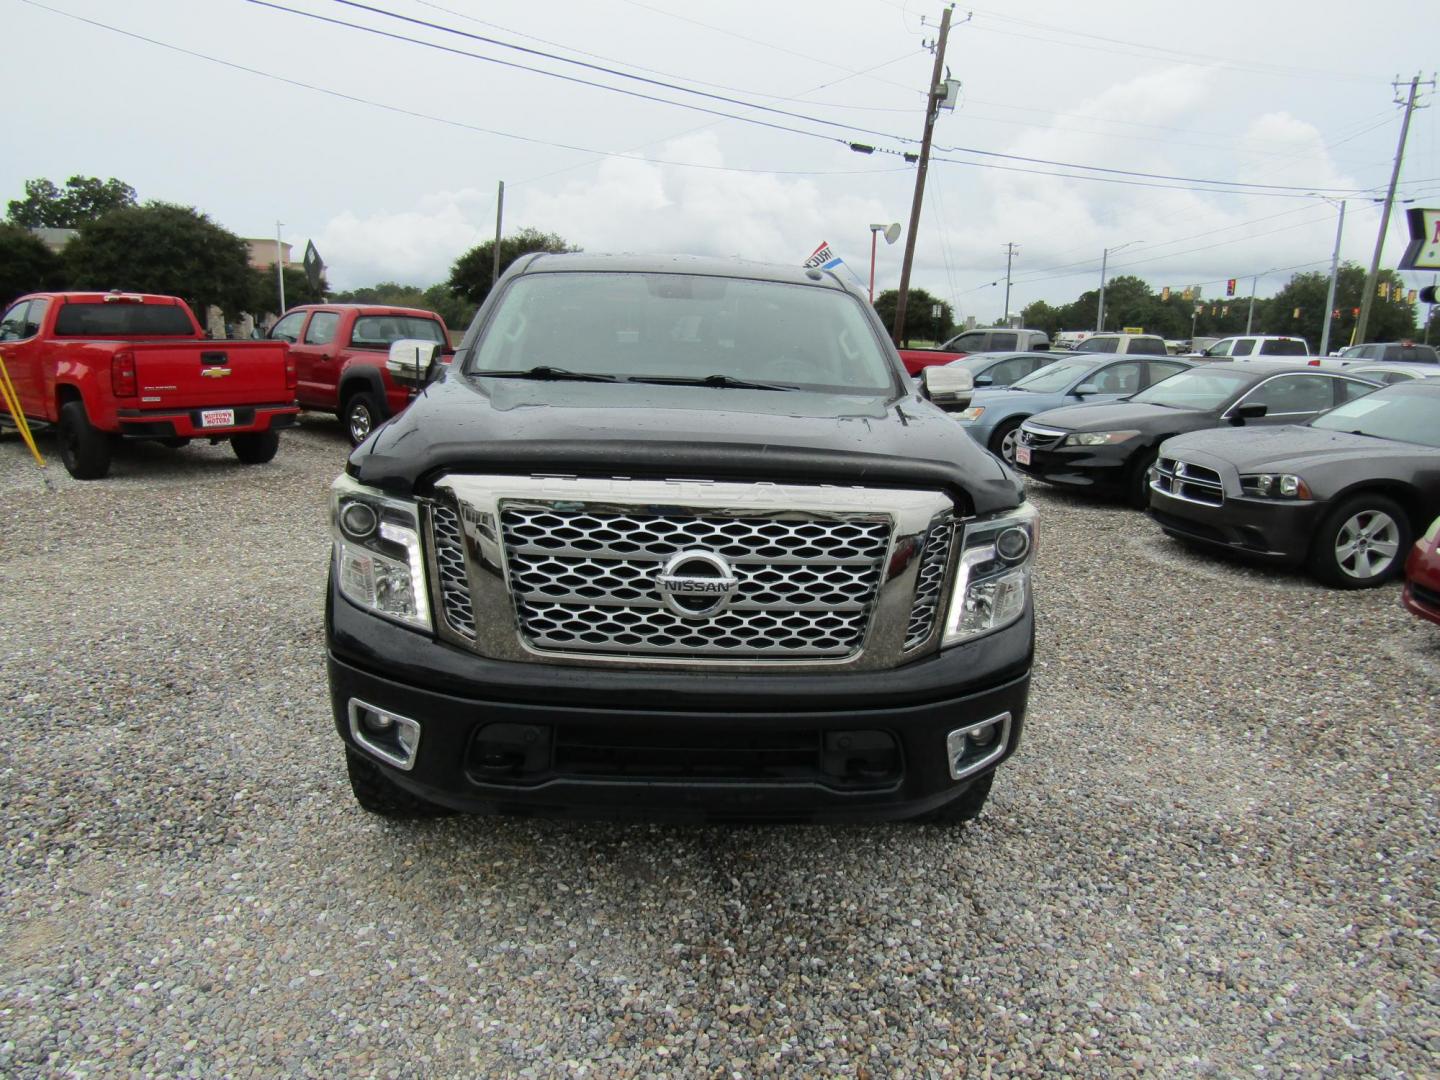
point(1041, 316)
point(26, 265)
point(456, 312)
point(472, 274)
point(1390, 319)
point(920, 321)
point(84, 199)
point(162, 248)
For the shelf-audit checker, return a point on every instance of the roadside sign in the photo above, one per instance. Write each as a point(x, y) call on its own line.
point(1424, 250)
point(1132, 329)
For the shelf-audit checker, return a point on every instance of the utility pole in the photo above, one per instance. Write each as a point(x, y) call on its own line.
point(499, 216)
point(1330, 293)
point(1010, 252)
point(1367, 298)
point(1104, 259)
point(280, 266)
point(932, 110)
point(1250, 315)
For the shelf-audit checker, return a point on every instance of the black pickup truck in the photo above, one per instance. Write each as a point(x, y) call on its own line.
point(676, 538)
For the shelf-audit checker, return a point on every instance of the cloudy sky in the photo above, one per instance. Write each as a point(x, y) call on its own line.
point(724, 128)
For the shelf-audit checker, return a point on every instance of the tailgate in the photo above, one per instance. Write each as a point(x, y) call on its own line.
point(190, 374)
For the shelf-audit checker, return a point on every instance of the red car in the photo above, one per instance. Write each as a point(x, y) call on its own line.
point(101, 366)
point(1422, 576)
point(341, 349)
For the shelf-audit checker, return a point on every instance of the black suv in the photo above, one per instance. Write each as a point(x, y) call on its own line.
point(675, 537)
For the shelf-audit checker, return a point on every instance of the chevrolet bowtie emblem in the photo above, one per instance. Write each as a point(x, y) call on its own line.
point(215, 372)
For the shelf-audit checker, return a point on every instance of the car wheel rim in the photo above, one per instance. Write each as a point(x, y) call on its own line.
point(1367, 545)
point(1007, 445)
point(359, 423)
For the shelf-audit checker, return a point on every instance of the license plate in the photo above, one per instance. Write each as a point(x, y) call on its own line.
point(217, 418)
point(1022, 455)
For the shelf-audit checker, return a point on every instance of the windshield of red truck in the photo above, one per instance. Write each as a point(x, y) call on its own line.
point(122, 320)
point(685, 326)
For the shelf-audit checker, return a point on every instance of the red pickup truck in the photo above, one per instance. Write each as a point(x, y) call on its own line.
point(340, 350)
point(101, 365)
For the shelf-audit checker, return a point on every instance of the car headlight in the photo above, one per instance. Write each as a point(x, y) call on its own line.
point(1274, 486)
point(992, 575)
point(970, 415)
point(1098, 438)
point(379, 562)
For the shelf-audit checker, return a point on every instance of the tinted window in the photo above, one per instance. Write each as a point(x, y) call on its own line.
point(12, 326)
point(1097, 344)
point(685, 326)
point(1161, 371)
point(1197, 388)
point(1148, 346)
point(1283, 348)
point(1350, 389)
point(1118, 378)
point(321, 330)
point(968, 343)
point(288, 328)
point(1008, 371)
point(381, 330)
point(1220, 348)
point(999, 342)
point(1405, 412)
point(1242, 348)
point(122, 320)
point(1288, 395)
point(1411, 354)
point(35, 316)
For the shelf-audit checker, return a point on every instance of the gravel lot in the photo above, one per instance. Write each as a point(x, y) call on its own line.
point(1215, 854)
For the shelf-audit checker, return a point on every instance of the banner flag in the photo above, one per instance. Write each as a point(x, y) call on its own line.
point(823, 258)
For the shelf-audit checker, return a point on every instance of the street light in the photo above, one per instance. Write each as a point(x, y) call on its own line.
point(1104, 258)
point(892, 233)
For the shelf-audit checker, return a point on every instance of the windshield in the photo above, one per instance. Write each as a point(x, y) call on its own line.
point(682, 327)
point(1405, 412)
point(1196, 389)
point(1055, 377)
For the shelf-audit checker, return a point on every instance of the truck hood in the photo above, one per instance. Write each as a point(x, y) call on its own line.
point(1291, 448)
point(471, 424)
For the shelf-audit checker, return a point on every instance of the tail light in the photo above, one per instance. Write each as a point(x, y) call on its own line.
point(291, 379)
point(122, 373)
point(1314, 363)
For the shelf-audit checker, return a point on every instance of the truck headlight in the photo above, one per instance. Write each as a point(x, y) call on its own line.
point(379, 562)
point(1098, 438)
point(1274, 486)
point(992, 576)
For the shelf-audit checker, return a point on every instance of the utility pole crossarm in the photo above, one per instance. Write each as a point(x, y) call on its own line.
point(932, 99)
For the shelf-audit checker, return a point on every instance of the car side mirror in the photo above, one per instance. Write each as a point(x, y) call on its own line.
point(1085, 388)
point(949, 388)
point(984, 380)
point(411, 361)
point(1241, 413)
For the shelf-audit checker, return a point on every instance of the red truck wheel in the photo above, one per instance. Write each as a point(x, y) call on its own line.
point(363, 414)
point(256, 448)
point(84, 448)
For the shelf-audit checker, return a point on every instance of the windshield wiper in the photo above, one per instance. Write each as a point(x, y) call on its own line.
point(545, 371)
point(723, 382)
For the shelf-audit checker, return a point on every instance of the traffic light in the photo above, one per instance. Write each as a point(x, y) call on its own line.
point(1384, 290)
point(1230, 287)
point(1428, 295)
point(1165, 293)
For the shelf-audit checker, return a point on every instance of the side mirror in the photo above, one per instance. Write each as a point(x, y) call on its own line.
point(1085, 388)
point(411, 361)
point(949, 388)
point(1241, 413)
point(984, 380)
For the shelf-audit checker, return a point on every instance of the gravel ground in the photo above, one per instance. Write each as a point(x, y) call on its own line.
point(1214, 855)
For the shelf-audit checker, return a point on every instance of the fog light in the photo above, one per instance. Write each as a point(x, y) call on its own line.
point(971, 749)
point(392, 738)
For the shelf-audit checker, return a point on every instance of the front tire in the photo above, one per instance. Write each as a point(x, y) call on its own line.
point(1137, 490)
point(377, 794)
point(1362, 543)
point(256, 447)
point(363, 414)
point(1003, 440)
point(84, 449)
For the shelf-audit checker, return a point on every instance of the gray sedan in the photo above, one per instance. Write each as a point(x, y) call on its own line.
point(994, 416)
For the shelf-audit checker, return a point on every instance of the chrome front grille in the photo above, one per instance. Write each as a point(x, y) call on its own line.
point(1193, 483)
point(585, 581)
point(449, 548)
point(595, 571)
point(1041, 438)
point(935, 561)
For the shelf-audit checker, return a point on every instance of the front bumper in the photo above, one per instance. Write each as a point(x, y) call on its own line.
point(676, 745)
point(186, 423)
point(1277, 531)
point(1097, 468)
point(1421, 595)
